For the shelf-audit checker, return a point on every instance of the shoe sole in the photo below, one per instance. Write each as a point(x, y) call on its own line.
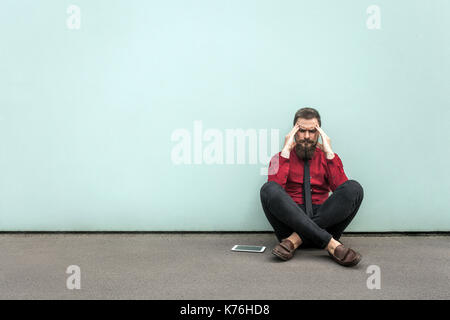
point(277, 254)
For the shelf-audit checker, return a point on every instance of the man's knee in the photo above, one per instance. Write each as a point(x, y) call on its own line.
point(268, 189)
point(354, 189)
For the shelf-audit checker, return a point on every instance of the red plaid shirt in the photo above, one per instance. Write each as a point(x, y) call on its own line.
point(326, 175)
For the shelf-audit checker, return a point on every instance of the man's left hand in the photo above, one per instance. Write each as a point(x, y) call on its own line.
point(325, 146)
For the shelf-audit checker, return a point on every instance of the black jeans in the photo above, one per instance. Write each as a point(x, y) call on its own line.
point(328, 219)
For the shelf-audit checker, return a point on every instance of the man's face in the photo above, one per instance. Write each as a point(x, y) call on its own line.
point(306, 138)
point(307, 135)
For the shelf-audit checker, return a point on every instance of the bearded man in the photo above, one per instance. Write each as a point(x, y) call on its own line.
point(296, 200)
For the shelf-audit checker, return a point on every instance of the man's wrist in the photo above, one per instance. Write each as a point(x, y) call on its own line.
point(285, 153)
point(330, 155)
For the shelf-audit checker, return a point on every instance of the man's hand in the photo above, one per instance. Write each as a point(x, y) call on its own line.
point(289, 141)
point(325, 146)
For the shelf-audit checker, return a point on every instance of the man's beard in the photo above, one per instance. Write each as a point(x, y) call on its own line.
point(306, 151)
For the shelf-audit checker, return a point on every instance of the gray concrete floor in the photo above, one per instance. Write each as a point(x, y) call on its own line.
point(201, 266)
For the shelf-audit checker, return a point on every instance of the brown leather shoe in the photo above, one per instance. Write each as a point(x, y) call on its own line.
point(284, 250)
point(345, 256)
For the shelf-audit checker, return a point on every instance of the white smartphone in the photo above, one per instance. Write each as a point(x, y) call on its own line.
point(248, 248)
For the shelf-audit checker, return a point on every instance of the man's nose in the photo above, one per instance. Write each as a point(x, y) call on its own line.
point(307, 134)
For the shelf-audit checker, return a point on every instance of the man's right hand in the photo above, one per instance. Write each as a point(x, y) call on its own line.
point(289, 141)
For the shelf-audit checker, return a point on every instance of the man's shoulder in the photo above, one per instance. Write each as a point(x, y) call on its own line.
point(320, 154)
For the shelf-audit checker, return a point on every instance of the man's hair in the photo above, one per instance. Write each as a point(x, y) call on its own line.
point(307, 113)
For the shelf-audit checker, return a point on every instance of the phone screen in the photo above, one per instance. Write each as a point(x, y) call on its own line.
point(251, 248)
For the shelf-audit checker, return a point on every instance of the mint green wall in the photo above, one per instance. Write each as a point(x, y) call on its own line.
point(87, 115)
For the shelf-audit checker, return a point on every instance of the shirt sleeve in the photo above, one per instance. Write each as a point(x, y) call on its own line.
point(278, 169)
point(335, 172)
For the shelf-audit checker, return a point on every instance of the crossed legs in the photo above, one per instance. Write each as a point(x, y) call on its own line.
point(324, 228)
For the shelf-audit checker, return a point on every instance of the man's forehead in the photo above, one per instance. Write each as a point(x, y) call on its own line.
point(307, 123)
